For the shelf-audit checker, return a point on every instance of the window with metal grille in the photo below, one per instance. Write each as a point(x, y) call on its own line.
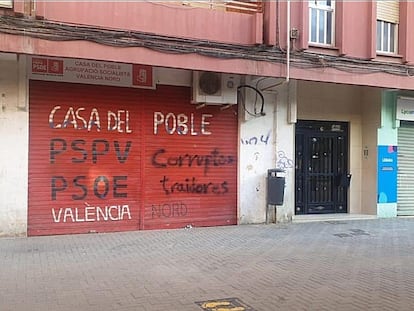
point(387, 26)
point(321, 22)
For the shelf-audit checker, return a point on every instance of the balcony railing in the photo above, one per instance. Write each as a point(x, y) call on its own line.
point(240, 6)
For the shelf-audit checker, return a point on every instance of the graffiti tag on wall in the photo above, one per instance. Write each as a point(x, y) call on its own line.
point(283, 162)
point(262, 139)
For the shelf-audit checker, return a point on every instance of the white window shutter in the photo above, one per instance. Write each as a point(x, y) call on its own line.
point(6, 3)
point(388, 11)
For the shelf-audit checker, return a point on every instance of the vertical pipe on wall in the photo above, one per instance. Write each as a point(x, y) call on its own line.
point(287, 40)
point(372, 30)
point(292, 102)
point(23, 84)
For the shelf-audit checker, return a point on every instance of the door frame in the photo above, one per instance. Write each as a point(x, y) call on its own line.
point(335, 178)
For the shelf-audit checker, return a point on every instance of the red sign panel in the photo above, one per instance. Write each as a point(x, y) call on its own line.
point(142, 75)
point(107, 159)
point(39, 65)
point(55, 66)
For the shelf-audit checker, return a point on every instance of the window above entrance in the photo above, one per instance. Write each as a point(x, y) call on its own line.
point(321, 22)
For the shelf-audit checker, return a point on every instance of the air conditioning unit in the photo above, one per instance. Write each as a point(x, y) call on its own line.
point(215, 88)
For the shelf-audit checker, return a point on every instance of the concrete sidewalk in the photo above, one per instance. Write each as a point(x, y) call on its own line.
point(330, 265)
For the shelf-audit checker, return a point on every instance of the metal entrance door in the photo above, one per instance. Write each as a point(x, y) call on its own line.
point(321, 179)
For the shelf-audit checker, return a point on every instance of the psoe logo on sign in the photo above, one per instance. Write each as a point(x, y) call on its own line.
point(39, 65)
point(47, 66)
point(55, 66)
point(142, 76)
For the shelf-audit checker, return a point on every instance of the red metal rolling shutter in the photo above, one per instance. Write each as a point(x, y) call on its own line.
point(105, 159)
point(84, 158)
point(191, 163)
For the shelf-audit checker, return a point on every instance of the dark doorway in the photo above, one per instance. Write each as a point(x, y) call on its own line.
point(321, 173)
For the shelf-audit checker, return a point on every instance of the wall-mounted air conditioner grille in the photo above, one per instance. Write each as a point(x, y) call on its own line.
point(215, 88)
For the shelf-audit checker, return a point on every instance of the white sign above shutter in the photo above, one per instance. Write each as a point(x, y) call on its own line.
point(405, 109)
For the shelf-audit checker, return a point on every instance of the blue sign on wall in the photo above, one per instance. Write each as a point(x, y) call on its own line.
point(387, 174)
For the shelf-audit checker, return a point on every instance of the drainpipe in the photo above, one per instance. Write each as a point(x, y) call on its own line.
point(287, 40)
point(279, 42)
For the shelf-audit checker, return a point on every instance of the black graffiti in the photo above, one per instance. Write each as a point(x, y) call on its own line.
point(169, 210)
point(256, 140)
point(117, 185)
point(78, 187)
point(77, 183)
point(58, 183)
point(75, 147)
point(101, 182)
point(97, 151)
point(122, 157)
point(99, 147)
point(53, 148)
point(160, 159)
point(191, 185)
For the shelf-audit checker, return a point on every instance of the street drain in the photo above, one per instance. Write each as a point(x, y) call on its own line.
point(225, 304)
